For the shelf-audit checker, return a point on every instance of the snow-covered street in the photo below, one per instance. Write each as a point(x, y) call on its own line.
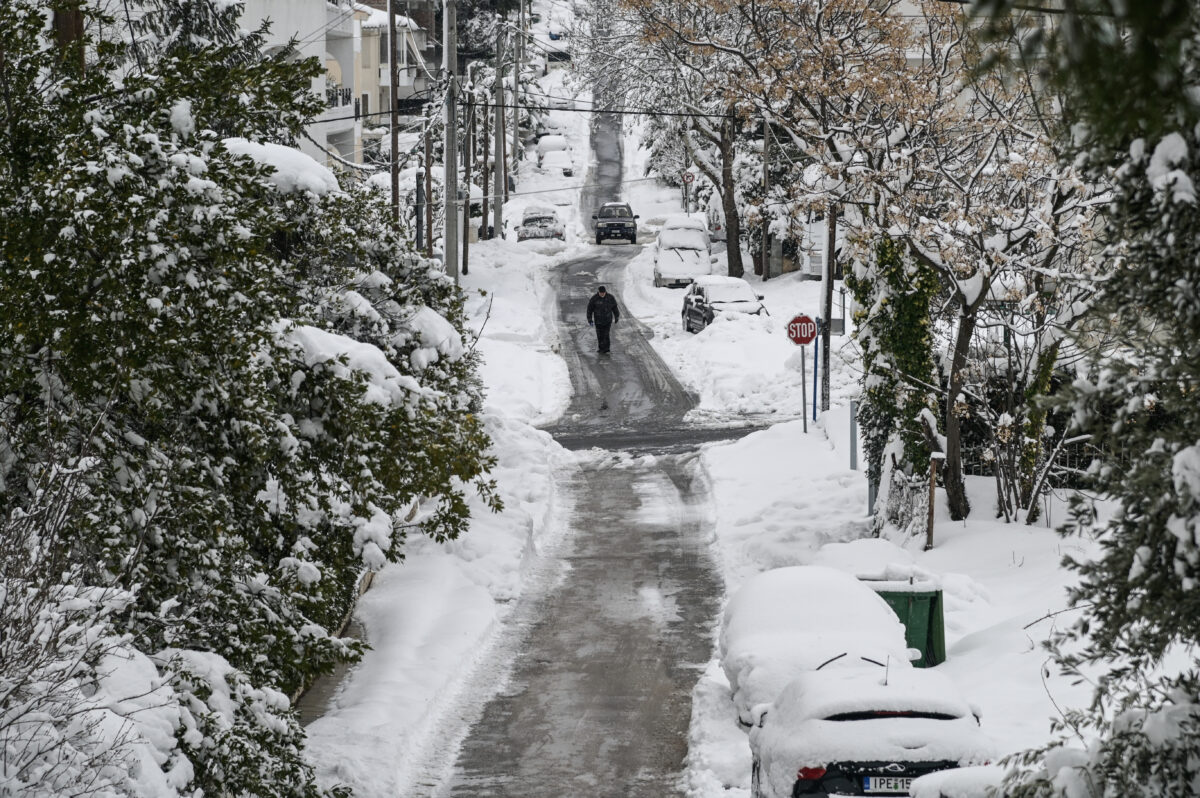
point(533, 398)
point(494, 685)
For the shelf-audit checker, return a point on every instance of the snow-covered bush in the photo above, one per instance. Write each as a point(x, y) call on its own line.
point(251, 378)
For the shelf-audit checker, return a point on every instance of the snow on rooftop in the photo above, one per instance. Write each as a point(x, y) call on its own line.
point(294, 170)
point(378, 18)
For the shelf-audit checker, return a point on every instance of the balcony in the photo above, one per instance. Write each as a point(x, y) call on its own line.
point(338, 96)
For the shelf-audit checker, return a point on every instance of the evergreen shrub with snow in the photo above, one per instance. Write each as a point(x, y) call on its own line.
point(256, 390)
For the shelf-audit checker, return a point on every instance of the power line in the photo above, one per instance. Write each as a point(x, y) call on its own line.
point(570, 188)
point(614, 111)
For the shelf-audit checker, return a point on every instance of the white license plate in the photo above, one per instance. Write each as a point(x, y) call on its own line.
point(887, 784)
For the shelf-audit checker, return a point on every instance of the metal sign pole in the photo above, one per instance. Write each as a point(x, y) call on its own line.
point(803, 396)
point(816, 368)
point(853, 434)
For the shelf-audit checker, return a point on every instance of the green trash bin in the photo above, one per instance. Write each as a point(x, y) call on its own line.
point(918, 605)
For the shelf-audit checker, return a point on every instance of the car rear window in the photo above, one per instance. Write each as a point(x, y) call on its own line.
point(875, 714)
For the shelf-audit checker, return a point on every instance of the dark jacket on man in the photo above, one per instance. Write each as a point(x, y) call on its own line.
point(602, 309)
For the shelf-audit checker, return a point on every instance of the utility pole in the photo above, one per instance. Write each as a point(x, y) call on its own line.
point(518, 58)
point(428, 185)
point(483, 174)
point(827, 303)
point(468, 156)
point(393, 89)
point(500, 165)
point(419, 221)
point(449, 67)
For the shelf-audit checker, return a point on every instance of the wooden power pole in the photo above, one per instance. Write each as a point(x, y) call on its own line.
point(428, 185)
point(468, 155)
point(827, 302)
point(450, 159)
point(394, 97)
point(499, 179)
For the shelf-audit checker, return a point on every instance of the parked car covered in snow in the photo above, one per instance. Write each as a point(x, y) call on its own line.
point(615, 220)
point(540, 222)
point(715, 295)
point(551, 143)
point(862, 731)
point(558, 161)
point(682, 251)
point(788, 621)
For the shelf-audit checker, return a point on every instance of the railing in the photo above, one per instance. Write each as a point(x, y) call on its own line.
point(338, 96)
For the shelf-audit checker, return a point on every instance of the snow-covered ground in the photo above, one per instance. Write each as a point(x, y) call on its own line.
point(781, 496)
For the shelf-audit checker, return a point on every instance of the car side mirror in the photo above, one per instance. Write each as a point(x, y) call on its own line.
point(635, 216)
point(758, 714)
point(759, 296)
point(594, 216)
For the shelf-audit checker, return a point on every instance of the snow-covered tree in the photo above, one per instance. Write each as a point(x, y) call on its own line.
point(253, 381)
point(658, 68)
point(1139, 614)
point(895, 296)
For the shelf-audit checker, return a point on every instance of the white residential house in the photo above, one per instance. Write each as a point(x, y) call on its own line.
point(351, 40)
point(419, 59)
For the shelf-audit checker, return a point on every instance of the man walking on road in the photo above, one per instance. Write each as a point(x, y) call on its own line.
point(602, 311)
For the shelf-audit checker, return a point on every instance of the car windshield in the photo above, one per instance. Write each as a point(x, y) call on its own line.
point(731, 293)
point(615, 213)
point(874, 714)
point(682, 238)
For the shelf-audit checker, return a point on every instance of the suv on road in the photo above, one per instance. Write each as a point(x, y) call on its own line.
point(615, 220)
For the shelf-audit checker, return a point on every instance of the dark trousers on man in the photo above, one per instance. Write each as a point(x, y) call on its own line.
point(602, 336)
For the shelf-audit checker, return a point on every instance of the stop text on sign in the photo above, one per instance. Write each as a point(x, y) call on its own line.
point(802, 330)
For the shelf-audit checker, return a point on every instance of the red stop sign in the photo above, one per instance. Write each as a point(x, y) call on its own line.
point(802, 330)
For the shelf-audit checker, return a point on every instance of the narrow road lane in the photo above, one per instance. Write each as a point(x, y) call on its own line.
point(599, 700)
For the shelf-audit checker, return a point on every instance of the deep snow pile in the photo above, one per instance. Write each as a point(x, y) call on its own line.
point(784, 497)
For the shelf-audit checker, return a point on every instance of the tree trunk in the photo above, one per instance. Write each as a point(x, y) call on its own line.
point(1034, 428)
point(733, 225)
point(952, 475)
point(68, 33)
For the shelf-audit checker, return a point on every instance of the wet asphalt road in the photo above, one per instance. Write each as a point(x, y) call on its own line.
point(597, 699)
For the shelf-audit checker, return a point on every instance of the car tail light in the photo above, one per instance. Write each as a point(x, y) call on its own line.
point(810, 774)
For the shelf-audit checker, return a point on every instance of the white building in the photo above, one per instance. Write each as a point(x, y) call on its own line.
point(351, 40)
